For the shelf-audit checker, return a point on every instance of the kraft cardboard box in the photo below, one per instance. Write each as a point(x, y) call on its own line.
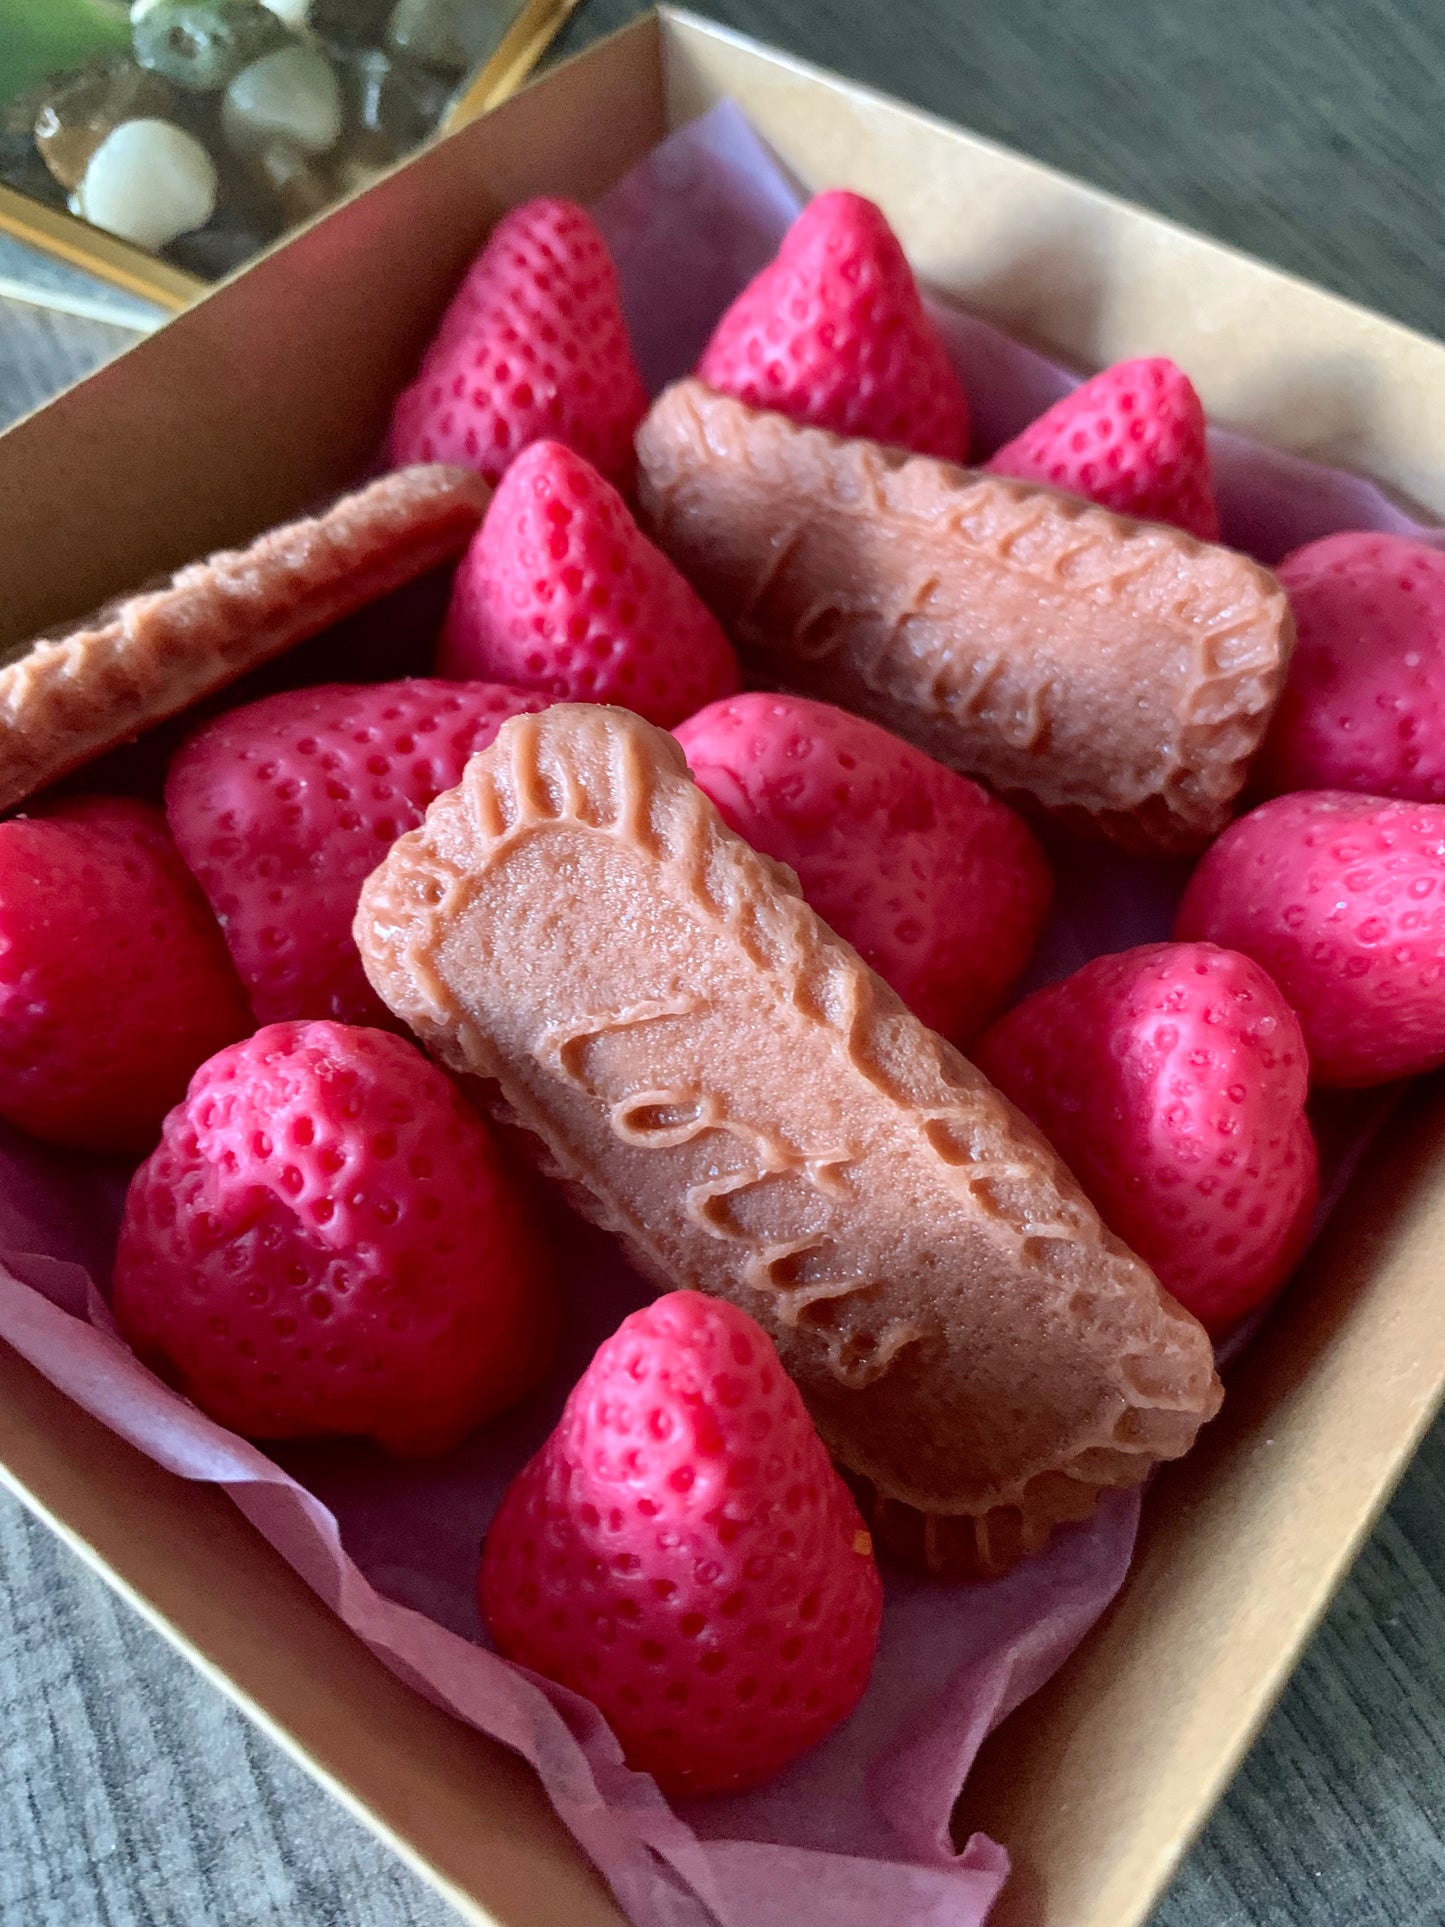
point(274, 391)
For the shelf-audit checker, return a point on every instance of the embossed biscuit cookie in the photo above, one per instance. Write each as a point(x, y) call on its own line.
point(1120, 673)
point(137, 661)
point(725, 1085)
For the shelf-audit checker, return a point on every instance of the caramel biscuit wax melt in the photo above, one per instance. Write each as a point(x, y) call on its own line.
point(725, 1085)
point(69, 698)
point(1119, 673)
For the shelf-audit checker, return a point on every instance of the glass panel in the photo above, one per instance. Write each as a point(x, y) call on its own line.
point(163, 143)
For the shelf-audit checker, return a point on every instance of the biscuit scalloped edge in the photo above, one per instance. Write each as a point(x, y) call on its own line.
point(528, 781)
point(1237, 669)
point(148, 656)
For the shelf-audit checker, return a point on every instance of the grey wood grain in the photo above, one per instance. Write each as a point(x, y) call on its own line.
point(41, 353)
point(133, 1795)
point(1307, 131)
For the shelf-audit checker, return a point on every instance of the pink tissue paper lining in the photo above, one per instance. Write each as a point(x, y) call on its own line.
point(856, 1832)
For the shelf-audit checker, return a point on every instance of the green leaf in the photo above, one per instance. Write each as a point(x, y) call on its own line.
point(41, 37)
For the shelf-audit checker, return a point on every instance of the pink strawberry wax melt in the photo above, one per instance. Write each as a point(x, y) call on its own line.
point(114, 980)
point(936, 884)
point(1172, 1078)
point(325, 1242)
point(283, 807)
point(1364, 707)
point(1341, 898)
point(533, 345)
point(682, 1552)
point(1131, 439)
point(833, 332)
point(560, 591)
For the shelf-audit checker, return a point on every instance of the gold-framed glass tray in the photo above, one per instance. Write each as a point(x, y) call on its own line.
point(162, 144)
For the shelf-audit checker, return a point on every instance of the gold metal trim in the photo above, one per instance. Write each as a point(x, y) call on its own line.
point(104, 255)
point(519, 50)
point(138, 272)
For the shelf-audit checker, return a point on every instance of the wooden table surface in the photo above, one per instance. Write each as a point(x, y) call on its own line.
point(1310, 132)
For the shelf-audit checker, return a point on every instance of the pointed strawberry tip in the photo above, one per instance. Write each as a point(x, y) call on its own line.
point(834, 332)
point(548, 465)
point(546, 208)
point(562, 592)
point(534, 344)
point(836, 201)
point(840, 210)
point(1132, 438)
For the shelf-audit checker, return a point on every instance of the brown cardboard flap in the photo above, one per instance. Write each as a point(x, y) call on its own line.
point(466, 1813)
point(275, 391)
point(1100, 1783)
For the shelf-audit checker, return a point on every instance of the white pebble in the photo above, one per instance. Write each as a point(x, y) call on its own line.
point(291, 95)
point(148, 181)
point(295, 14)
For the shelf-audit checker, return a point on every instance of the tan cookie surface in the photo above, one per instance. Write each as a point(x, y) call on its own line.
point(722, 1083)
point(1119, 673)
point(150, 656)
